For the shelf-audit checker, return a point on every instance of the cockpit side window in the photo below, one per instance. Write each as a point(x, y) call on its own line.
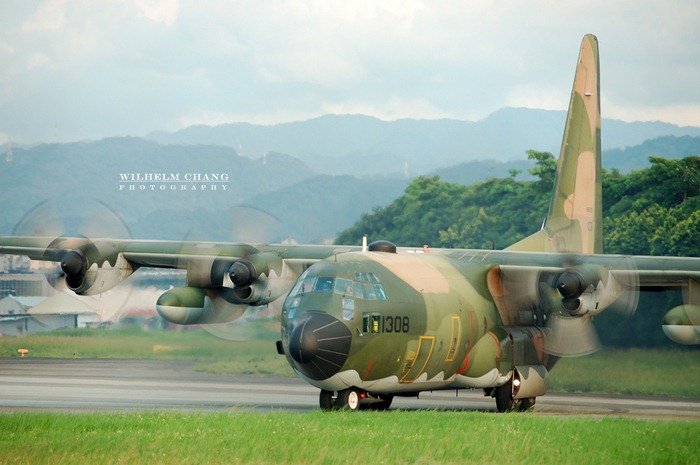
point(343, 287)
point(307, 285)
point(324, 285)
point(369, 287)
point(357, 290)
point(379, 292)
point(369, 291)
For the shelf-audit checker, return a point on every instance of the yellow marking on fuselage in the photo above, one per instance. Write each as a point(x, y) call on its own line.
point(418, 353)
point(454, 339)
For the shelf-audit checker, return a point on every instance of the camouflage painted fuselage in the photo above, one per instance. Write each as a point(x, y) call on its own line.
point(415, 321)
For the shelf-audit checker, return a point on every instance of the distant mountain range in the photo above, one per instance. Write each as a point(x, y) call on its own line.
point(164, 190)
point(362, 145)
point(626, 159)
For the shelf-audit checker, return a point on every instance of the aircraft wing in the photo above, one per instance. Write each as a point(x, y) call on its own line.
point(94, 266)
point(159, 254)
point(78, 255)
point(246, 274)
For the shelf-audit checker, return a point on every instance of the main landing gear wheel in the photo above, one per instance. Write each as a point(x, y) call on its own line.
point(506, 403)
point(383, 404)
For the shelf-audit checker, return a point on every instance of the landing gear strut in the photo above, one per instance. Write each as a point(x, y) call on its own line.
point(353, 399)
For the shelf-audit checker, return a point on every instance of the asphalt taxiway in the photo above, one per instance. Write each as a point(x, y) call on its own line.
point(28, 384)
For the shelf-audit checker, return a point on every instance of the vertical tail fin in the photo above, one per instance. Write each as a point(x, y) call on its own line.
point(574, 222)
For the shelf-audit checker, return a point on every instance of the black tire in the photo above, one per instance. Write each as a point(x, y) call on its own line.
point(348, 399)
point(523, 405)
point(383, 404)
point(325, 400)
point(504, 397)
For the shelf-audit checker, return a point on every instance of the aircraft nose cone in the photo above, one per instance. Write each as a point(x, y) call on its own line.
point(319, 345)
point(303, 344)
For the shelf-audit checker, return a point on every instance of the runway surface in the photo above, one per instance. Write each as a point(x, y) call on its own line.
point(28, 384)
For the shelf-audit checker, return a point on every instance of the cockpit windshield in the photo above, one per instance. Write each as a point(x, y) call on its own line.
point(364, 286)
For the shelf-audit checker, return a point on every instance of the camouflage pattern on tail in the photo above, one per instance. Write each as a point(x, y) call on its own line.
point(574, 222)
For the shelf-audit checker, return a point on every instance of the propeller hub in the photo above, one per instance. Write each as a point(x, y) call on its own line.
point(73, 263)
point(242, 274)
point(571, 284)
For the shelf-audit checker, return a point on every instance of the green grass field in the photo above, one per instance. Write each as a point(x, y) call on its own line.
point(634, 371)
point(337, 437)
point(422, 437)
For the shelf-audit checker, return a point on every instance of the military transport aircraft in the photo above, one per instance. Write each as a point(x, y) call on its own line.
point(367, 323)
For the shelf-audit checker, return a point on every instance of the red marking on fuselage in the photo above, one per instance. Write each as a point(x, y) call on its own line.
point(370, 364)
point(464, 366)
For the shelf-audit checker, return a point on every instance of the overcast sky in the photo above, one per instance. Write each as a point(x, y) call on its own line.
point(77, 69)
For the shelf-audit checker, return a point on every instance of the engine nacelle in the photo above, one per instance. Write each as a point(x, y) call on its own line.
point(257, 279)
point(193, 305)
point(98, 278)
point(682, 324)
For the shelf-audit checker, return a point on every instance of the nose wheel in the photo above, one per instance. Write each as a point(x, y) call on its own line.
point(353, 399)
point(348, 399)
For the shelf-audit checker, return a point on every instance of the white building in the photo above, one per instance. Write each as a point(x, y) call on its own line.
point(25, 315)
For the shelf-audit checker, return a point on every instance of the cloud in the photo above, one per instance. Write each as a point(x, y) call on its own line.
point(392, 109)
point(684, 114)
point(159, 11)
point(206, 118)
point(6, 48)
point(50, 16)
point(214, 118)
point(536, 96)
point(133, 66)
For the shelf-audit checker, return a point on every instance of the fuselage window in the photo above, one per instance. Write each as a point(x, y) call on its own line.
point(344, 287)
point(369, 286)
point(307, 285)
point(369, 291)
point(324, 285)
point(357, 289)
point(379, 291)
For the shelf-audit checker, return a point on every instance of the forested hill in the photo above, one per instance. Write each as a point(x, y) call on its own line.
point(653, 211)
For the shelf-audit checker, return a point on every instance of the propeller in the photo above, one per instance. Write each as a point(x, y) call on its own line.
point(574, 296)
point(230, 281)
point(82, 220)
